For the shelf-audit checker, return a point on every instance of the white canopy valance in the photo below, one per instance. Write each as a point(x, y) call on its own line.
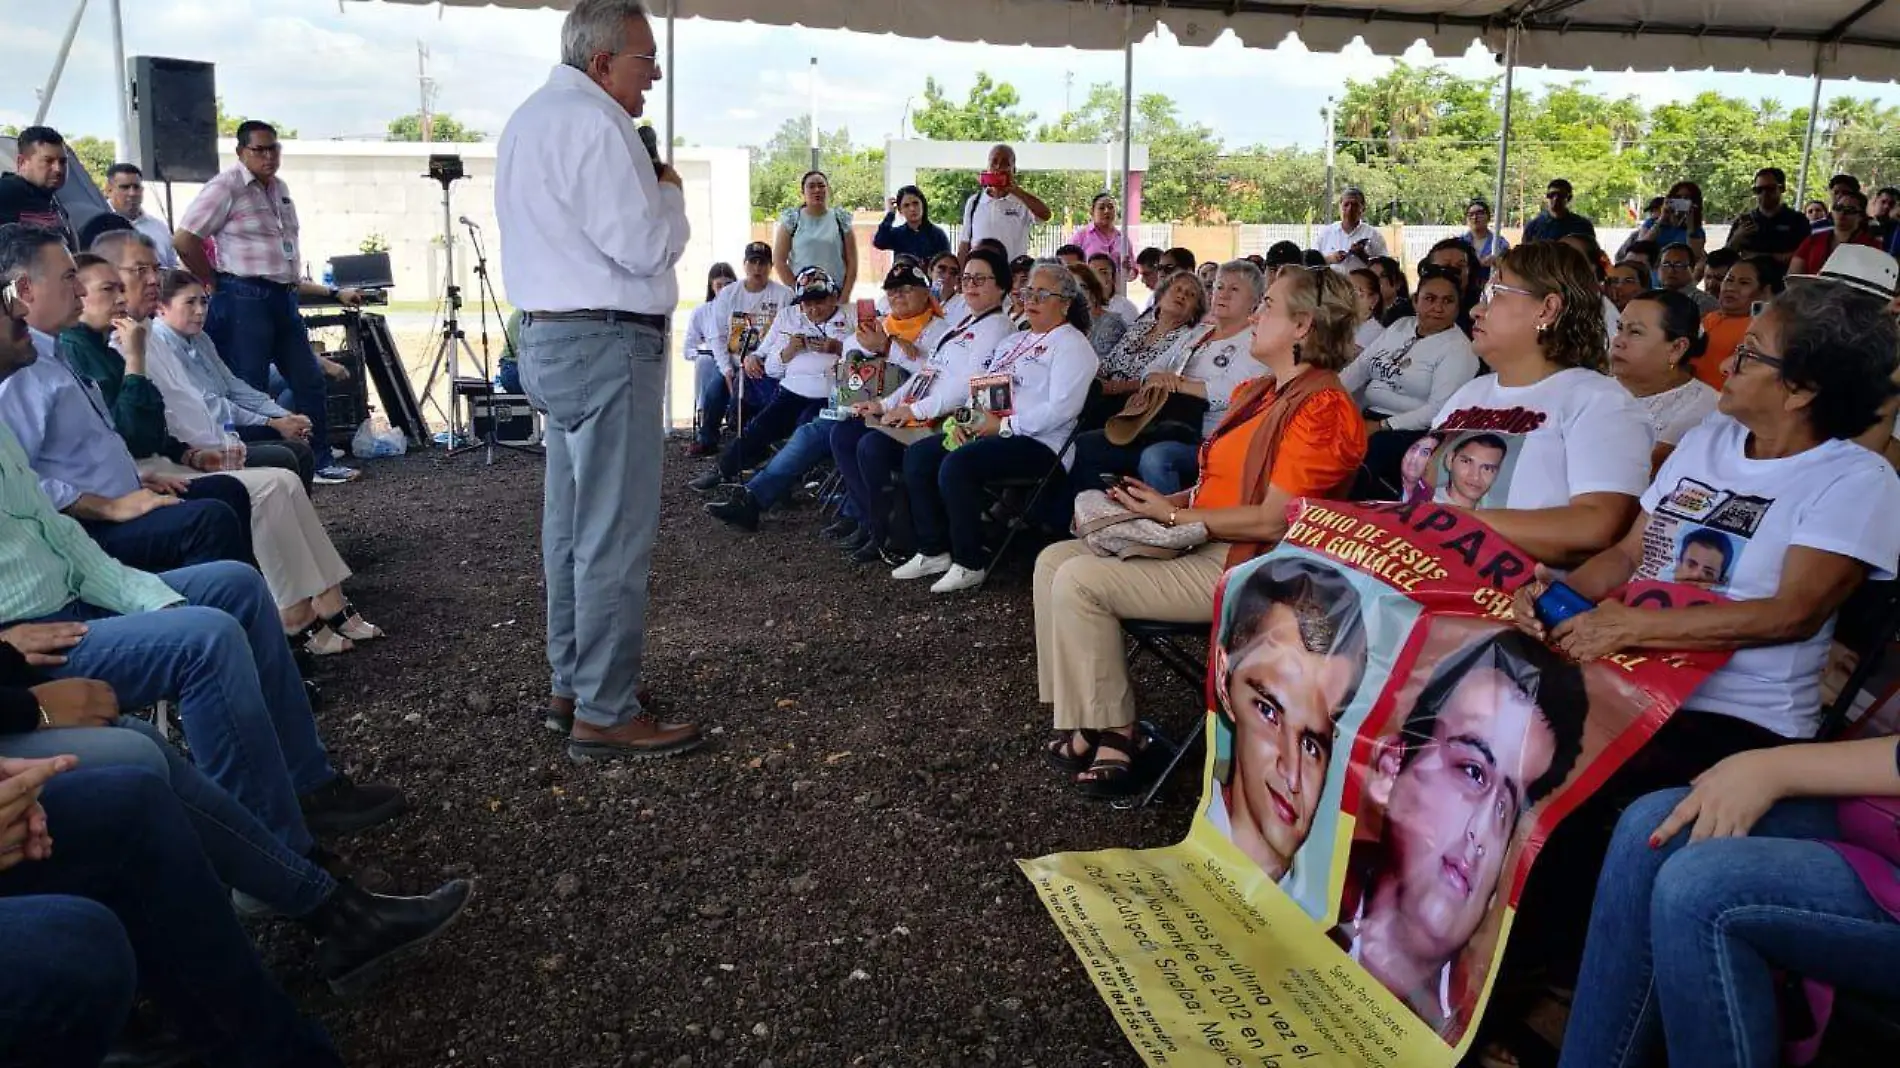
point(1848, 38)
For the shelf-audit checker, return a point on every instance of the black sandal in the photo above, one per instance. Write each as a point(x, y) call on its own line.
point(1109, 779)
point(1058, 754)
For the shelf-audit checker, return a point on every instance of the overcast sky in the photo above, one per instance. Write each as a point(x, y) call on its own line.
point(334, 69)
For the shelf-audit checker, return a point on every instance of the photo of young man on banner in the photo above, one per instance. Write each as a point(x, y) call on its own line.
point(1497, 726)
point(1388, 752)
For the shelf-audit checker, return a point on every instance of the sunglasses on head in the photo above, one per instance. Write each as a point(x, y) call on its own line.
point(1437, 270)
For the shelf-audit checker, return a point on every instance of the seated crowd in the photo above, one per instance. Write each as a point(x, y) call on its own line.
point(161, 547)
point(1575, 404)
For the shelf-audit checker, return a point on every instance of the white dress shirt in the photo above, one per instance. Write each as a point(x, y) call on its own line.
point(585, 223)
point(807, 373)
point(154, 227)
point(1334, 237)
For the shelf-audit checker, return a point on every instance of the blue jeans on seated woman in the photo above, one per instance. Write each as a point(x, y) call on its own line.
point(946, 490)
point(1169, 466)
point(127, 900)
point(1685, 939)
point(242, 851)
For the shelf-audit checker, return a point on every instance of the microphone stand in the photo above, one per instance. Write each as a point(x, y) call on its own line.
point(484, 295)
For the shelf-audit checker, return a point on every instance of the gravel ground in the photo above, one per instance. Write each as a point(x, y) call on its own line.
point(828, 883)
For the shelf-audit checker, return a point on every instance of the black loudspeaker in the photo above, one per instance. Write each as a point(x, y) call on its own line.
point(177, 104)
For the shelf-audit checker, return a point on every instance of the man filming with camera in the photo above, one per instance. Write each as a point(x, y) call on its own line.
point(592, 225)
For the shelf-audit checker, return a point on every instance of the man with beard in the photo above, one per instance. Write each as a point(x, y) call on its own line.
point(28, 196)
point(1497, 728)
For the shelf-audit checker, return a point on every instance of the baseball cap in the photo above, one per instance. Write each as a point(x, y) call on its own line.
point(813, 283)
point(1859, 267)
point(906, 274)
point(758, 252)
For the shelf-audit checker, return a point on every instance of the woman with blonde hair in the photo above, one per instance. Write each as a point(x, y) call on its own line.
point(1291, 433)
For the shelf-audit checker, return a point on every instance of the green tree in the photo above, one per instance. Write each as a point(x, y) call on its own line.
point(991, 111)
point(1182, 157)
point(96, 154)
point(228, 124)
point(442, 127)
point(857, 175)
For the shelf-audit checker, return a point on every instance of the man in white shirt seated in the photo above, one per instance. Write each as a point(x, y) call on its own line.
point(801, 351)
point(1001, 209)
point(125, 191)
point(1351, 243)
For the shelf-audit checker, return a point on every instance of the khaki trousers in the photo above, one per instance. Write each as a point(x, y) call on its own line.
point(1081, 599)
point(293, 550)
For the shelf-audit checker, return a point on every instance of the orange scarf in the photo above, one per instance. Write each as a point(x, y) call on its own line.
point(912, 328)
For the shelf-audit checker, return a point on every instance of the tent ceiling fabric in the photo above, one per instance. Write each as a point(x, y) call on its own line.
point(1857, 38)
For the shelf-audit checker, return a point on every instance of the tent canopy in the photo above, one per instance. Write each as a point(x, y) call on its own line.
point(1839, 38)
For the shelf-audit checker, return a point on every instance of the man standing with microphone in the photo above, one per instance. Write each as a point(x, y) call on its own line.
point(591, 227)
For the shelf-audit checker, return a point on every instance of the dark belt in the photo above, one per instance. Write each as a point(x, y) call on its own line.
point(595, 315)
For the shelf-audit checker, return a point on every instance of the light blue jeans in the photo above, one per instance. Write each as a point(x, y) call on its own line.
point(242, 851)
point(601, 385)
point(809, 446)
point(1684, 939)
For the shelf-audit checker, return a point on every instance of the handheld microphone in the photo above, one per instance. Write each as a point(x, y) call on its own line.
point(470, 223)
point(652, 141)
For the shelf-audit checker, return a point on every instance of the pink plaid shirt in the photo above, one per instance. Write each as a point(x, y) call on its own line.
point(255, 227)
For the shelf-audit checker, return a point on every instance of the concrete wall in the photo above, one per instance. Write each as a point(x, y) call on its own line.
point(346, 191)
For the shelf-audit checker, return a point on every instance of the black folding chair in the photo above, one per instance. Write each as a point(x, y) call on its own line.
point(1165, 642)
point(1868, 625)
point(1036, 486)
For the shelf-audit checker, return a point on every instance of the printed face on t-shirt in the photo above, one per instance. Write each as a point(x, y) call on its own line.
point(1473, 470)
point(1698, 533)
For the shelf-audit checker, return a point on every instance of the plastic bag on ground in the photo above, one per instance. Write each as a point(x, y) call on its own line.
point(375, 438)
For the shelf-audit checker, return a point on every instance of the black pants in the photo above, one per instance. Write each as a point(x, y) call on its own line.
point(787, 412)
point(211, 522)
point(266, 447)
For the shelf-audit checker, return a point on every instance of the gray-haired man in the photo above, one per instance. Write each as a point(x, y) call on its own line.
point(591, 228)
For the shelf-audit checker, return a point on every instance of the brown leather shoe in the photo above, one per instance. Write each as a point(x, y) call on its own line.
point(639, 737)
point(560, 717)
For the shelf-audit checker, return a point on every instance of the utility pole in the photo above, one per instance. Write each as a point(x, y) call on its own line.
point(427, 86)
point(1068, 83)
point(814, 114)
point(1329, 112)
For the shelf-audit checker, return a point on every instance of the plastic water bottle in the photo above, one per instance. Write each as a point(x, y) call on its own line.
point(232, 454)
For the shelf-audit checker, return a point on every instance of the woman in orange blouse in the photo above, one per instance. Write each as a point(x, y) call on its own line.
point(1756, 278)
point(1295, 433)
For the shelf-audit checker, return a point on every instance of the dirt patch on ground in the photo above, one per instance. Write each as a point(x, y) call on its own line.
point(830, 883)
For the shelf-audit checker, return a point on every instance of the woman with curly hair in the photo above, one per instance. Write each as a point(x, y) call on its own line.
point(1577, 446)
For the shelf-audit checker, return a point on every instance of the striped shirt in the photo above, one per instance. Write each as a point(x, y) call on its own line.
point(47, 561)
point(255, 225)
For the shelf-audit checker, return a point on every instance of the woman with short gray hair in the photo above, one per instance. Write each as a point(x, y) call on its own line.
point(1026, 397)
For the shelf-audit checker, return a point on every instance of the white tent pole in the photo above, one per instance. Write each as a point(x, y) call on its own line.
point(1814, 119)
point(1128, 107)
point(123, 79)
point(1504, 130)
point(59, 64)
point(669, 75)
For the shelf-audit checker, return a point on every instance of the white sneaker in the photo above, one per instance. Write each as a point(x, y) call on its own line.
point(958, 579)
point(921, 566)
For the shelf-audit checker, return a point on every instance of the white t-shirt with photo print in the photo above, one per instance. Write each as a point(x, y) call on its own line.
point(1726, 522)
point(1573, 433)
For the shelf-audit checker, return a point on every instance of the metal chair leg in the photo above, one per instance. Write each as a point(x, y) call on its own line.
point(1129, 804)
